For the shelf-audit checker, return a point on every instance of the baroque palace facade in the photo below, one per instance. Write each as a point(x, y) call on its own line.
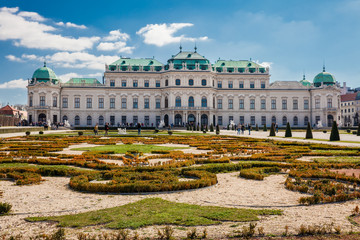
point(188, 89)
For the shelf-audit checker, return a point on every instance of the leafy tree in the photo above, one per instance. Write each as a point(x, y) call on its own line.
point(272, 130)
point(334, 135)
point(309, 134)
point(288, 130)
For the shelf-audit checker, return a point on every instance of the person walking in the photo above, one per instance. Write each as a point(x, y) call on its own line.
point(106, 128)
point(96, 129)
point(277, 127)
point(242, 129)
point(139, 128)
point(238, 129)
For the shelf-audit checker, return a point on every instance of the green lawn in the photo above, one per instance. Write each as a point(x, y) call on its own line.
point(127, 147)
point(339, 159)
point(156, 211)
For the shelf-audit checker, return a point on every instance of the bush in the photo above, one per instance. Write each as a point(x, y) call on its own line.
point(41, 132)
point(348, 130)
point(288, 130)
point(156, 130)
point(211, 128)
point(5, 208)
point(217, 129)
point(27, 133)
point(256, 127)
point(334, 136)
point(170, 132)
point(358, 130)
point(272, 130)
point(265, 128)
point(309, 134)
point(80, 133)
point(198, 127)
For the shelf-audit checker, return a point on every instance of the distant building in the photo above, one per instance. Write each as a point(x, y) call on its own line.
point(350, 109)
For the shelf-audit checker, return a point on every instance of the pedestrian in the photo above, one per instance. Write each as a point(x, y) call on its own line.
point(139, 128)
point(249, 127)
point(96, 129)
point(277, 127)
point(238, 129)
point(106, 128)
point(242, 129)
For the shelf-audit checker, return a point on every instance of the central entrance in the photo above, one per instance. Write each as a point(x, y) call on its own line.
point(42, 117)
point(178, 120)
point(191, 119)
point(204, 120)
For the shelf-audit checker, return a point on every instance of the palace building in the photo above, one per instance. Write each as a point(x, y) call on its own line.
point(187, 89)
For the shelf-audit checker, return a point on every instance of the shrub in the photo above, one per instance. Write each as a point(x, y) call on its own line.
point(80, 133)
point(288, 130)
point(217, 129)
point(272, 130)
point(348, 130)
point(228, 127)
point(358, 130)
point(5, 208)
point(309, 134)
point(41, 132)
point(156, 130)
point(211, 128)
point(170, 132)
point(27, 133)
point(265, 128)
point(334, 136)
point(256, 127)
point(202, 127)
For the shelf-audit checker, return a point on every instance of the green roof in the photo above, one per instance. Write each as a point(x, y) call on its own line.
point(86, 81)
point(45, 74)
point(188, 56)
point(325, 78)
point(237, 64)
point(137, 62)
point(305, 82)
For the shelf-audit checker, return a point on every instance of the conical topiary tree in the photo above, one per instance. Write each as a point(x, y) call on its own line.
point(211, 128)
point(206, 127)
point(228, 127)
point(272, 130)
point(202, 127)
point(256, 127)
point(309, 134)
point(288, 130)
point(265, 128)
point(358, 131)
point(217, 129)
point(334, 135)
point(198, 127)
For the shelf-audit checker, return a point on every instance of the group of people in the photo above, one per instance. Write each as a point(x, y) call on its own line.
point(96, 129)
point(240, 128)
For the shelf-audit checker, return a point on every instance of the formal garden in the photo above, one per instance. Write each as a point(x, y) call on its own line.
point(183, 185)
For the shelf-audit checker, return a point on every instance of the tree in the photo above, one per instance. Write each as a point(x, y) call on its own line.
point(206, 127)
point(272, 130)
point(202, 127)
point(288, 130)
point(217, 129)
point(265, 128)
point(256, 127)
point(198, 127)
point(358, 131)
point(228, 127)
point(211, 128)
point(334, 135)
point(309, 134)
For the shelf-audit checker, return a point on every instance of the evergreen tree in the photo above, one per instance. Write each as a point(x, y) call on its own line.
point(334, 135)
point(211, 128)
point(233, 127)
point(187, 127)
point(206, 127)
point(309, 134)
point(265, 128)
point(198, 127)
point(358, 131)
point(217, 129)
point(202, 127)
point(288, 130)
point(256, 127)
point(272, 130)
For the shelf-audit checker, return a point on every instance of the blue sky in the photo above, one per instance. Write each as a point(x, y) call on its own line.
point(78, 37)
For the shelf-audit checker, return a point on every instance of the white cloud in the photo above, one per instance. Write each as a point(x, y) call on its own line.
point(32, 16)
point(13, 58)
point(69, 25)
point(264, 64)
point(66, 77)
point(163, 34)
point(18, 83)
point(30, 57)
point(116, 35)
point(120, 47)
point(37, 35)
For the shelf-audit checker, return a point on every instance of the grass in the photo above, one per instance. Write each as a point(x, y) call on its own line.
point(337, 159)
point(156, 211)
point(128, 147)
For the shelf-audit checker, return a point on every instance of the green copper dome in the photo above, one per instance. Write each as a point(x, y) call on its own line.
point(305, 82)
point(45, 74)
point(324, 78)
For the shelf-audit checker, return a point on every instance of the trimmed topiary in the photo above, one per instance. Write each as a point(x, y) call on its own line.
point(272, 130)
point(206, 127)
point(202, 127)
point(228, 127)
point(198, 127)
point(288, 130)
point(265, 128)
point(309, 134)
point(27, 133)
point(334, 135)
point(217, 129)
point(358, 130)
point(211, 128)
point(41, 132)
point(80, 133)
point(256, 127)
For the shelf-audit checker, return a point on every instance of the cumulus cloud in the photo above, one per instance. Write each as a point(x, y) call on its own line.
point(18, 83)
point(32, 16)
point(33, 34)
point(120, 47)
point(13, 58)
point(264, 64)
point(116, 35)
point(163, 34)
point(71, 25)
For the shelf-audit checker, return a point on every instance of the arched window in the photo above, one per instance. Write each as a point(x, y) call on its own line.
point(296, 121)
point(191, 101)
point(101, 120)
point(284, 120)
point(177, 82)
point(166, 102)
point(203, 102)
point(178, 102)
point(166, 82)
point(273, 119)
point(306, 120)
point(77, 120)
point(65, 118)
point(203, 82)
point(88, 120)
point(191, 82)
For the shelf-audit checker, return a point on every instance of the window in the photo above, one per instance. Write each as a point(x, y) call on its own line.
point(203, 82)
point(157, 83)
point(252, 104)
point(306, 120)
point(263, 104)
point(241, 103)
point(284, 104)
point(252, 85)
point(135, 103)
point(123, 120)
point(101, 120)
point(54, 101)
point(65, 102)
point(273, 103)
point(191, 101)
point(317, 119)
point(101, 102)
point(123, 83)
point(203, 102)
point(230, 84)
point(220, 122)
point(146, 83)
point(178, 102)
point(146, 103)
point(306, 104)
point(295, 104)
point(166, 82)
point(166, 102)
point(252, 120)
point(296, 121)
point(219, 104)
point(112, 83)
point(112, 120)
point(42, 101)
point(263, 120)
point(88, 120)
point(242, 119)
point(135, 83)
point(191, 82)
point(157, 103)
point(77, 120)
point(112, 103)
point(262, 84)
point(273, 119)
point(219, 84)
point(231, 118)
point(30, 101)
point(230, 103)
point(123, 103)
point(241, 84)
point(77, 103)
point(135, 120)
point(329, 103)
point(157, 119)
point(88, 102)
point(317, 103)
point(177, 82)
point(284, 120)
point(147, 120)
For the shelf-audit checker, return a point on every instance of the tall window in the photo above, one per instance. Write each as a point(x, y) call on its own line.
point(157, 103)
point(30, 101)
point(123, 83)
point(241, 103)
point(112, 83)
point(203, 82)
point(101, 102)
point(317, 119)
point(146, 83)
point(219, 104)
point(112, 103)
point(147, 120)
point(230, 103)
point(146, 103)
point(88, 120)
point(191, 101)
point(284, 120)
point(135, 83)
point(112, 120)
point(177, 82)
point(262, 84)
point(123, 120)
point(273, 103)
point(77, 103)
point(157, 83)
point(65, 102)
point(241, 84)
point(88, 102)
point(263, 104)
point(252, 104)
point(101, 120)
point(123, 103)
point(242, 119)
point(77, 120)
point(273, 119)
point(166, 82)
point(329, 102)
point(65, 118)
point(306, 120)
point(219, 84)
point(42, 101)
point(230, 84)
point(252, 120)
point(317, 103)
point(295, 104)
point(284, 104)
point(54, 101)
point(203, 102)
point(135, 103)
point(296, 121)
point(220, 120)
point(166, 102)
point(191, 82)
point(157, 119)
point(306, 104)
point(135, 120)
point(252, 84)
point(263, 120)
point(178, 102)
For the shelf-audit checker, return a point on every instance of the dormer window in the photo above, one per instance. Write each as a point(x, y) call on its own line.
point(177, 82)
point(189, 55)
